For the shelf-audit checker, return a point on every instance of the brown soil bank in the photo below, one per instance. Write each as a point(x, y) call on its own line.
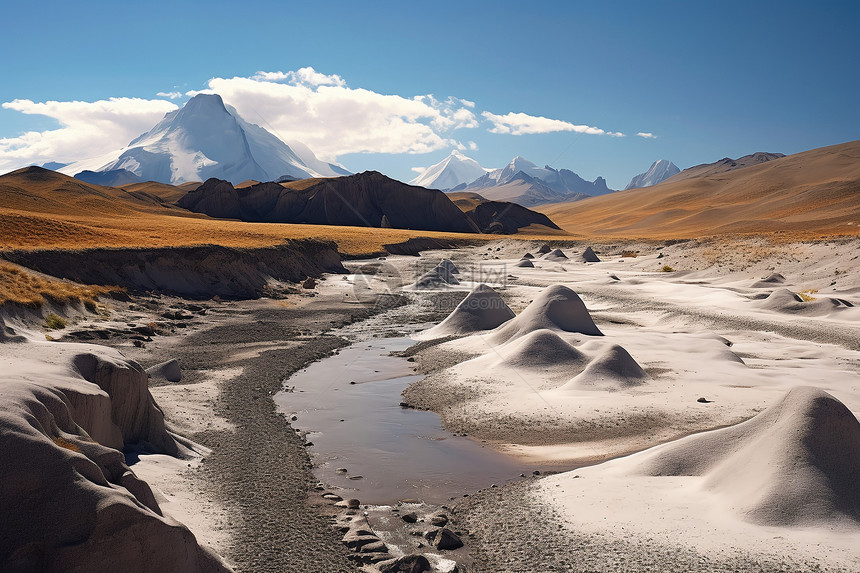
point(197, 271)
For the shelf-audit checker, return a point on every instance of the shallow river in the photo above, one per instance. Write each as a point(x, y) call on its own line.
point(349, 404)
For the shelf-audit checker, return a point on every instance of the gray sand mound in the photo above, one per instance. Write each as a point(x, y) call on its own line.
point(795, 463)
point(614, 369)
point(528, 256)
point(783, 300)
point(770, 280)
point(544, 249)
point(169, 371)
point(482, 309)
point(542, 349)
point(556, 255)
point(556, 308)
point(436, 278)
point(525, 263)
point(452, 268)
point(589, 256)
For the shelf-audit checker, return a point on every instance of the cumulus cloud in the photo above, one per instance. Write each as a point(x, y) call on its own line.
point(419, 170)
point(646, 135)
point(334, 119)
point(515, 123)
point(87, 129)
point(171, 95)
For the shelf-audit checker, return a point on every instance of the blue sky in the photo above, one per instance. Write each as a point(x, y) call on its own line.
point(707, 79)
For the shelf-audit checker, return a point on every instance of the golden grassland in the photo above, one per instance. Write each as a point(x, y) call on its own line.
point(41, 209)
point(22, 286)
point(810, 195)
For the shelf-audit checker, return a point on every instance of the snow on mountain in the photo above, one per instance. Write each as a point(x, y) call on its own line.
point(454, 170)
point(523, 182)
point(660, 170)
point(206, 139)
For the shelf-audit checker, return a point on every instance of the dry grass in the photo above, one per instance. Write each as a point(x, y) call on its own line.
point(809, 195)
point(64, 443)
point(20, 286)
point(40, 209)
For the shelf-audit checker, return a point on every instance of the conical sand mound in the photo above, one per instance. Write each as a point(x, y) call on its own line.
point(169, 371)
point(452, 268)
point(436, 278)
point(482, 309)
point(525, 263)
point(528, 256)
point(447, 274)
point(542, 349)
point(614, 369)
point(556, 255)
point(589, 256)
point(783, 300)
point(796, 463)
point(770, 280)
point(556, 308)
point(544, 249)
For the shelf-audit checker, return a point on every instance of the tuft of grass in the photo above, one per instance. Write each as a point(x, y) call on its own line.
point(806, 295)
point(629, 254)
point(21, 286)
point(667, 269)
point(55, 322)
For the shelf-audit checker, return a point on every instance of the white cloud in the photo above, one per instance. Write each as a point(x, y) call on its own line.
point(646, 135)
point(419, 170)
point(87, 129)
point(523, 124)
point(333, 119)
point(472, 146)
point(307, 76)
point(171, 95)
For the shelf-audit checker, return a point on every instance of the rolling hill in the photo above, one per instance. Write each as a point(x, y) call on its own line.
point(816, 192)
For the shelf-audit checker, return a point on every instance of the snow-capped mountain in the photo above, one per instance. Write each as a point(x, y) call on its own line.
point(454, 170)
point(660, 170)
point(206, 139)
point(523, 182)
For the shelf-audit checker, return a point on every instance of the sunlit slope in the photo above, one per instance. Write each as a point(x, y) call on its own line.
point(816, 192)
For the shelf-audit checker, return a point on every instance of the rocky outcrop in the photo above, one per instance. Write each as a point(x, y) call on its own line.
point(70, 502)
point(367, 199)
point(202, 271)
point(502, 217)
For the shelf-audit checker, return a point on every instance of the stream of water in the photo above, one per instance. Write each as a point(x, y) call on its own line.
point(349, 405)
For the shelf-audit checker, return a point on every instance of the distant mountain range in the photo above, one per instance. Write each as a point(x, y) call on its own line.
point(659, 171)
point(726, 164)
point(520, 181)
point(201, 140)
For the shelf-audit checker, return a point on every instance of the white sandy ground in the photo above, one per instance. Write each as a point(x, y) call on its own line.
point(678, 327)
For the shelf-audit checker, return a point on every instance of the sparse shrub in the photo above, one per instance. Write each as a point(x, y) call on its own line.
point(55, 322)
point(667, 269)
point(629, 254)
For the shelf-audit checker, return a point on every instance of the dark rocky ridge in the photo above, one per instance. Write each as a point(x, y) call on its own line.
point(506, 218)
point(367, 199)
point(197, 272)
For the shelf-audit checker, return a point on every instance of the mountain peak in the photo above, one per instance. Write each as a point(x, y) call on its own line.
point(455, 169)
point(659, 171)
point(206, 138)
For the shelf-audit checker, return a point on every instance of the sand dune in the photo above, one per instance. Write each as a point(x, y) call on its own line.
point(796, 463)
point(556, 255)
point(813, 192)
point(613, 369)
point(525, 263)
point(482, 309)
point(555, 308)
